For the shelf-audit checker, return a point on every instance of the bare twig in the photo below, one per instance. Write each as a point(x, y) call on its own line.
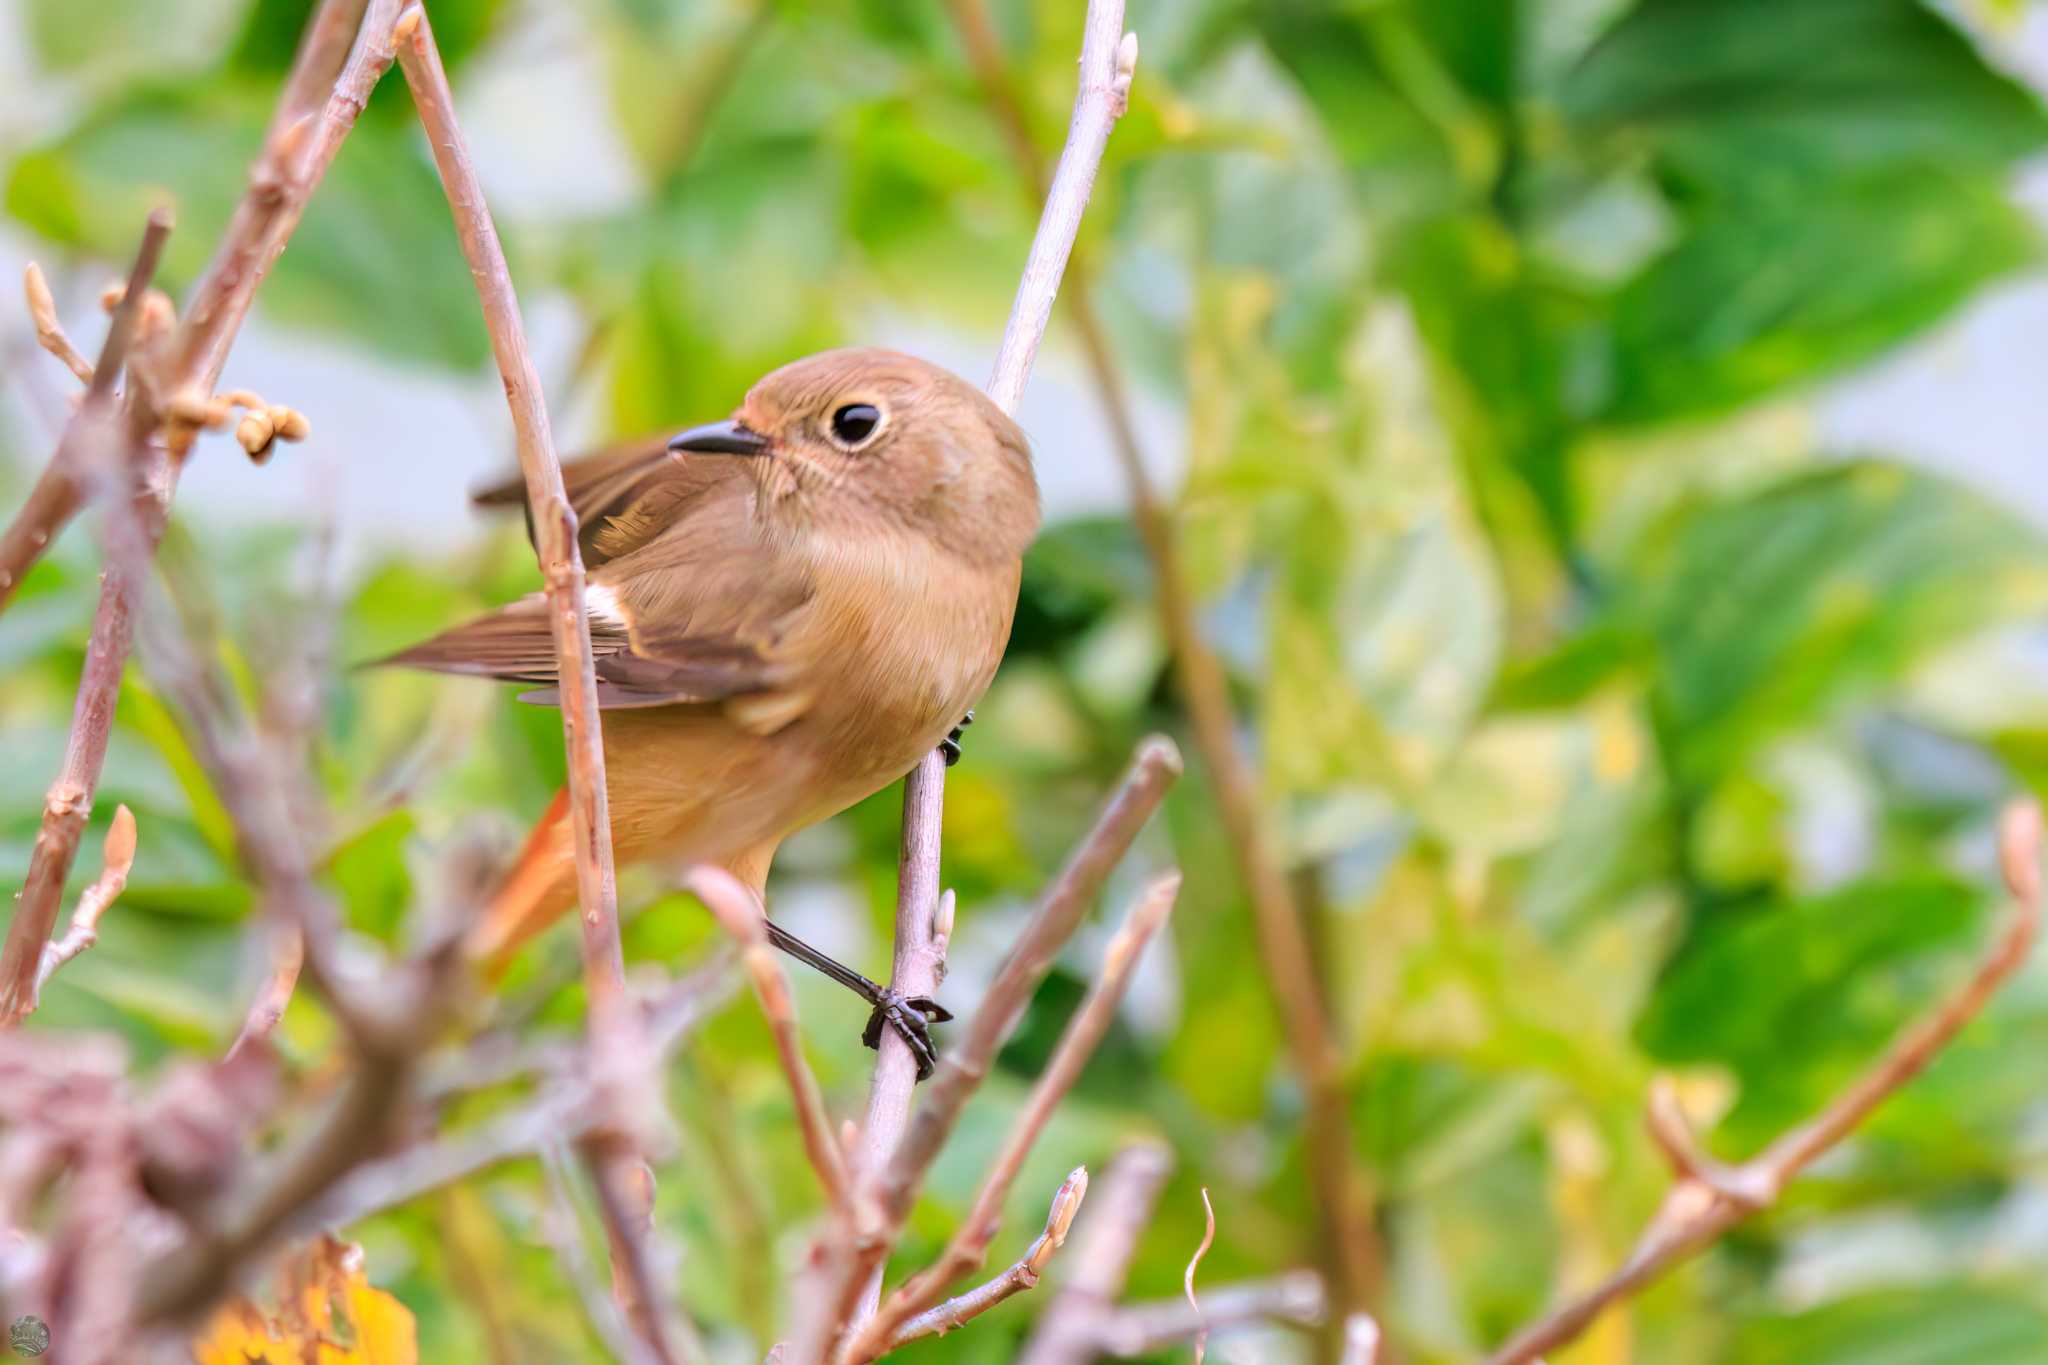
point(117, 856)
point(1707, 1198)
point(1023, 1275)
point(50, 334)
point(626, 1186)
point(564, 1232)
point(283, 179)
point(565, 1110)
point(1077, 1044)
point(1361, 1340)
point(741, 916)
point(1344, 1197)
point(554, 522)
point(61, 488)
point(287, 959)
point(1108, 60)
point(1187, 1279)
point(882, 1198)
point(1139, 1329)
point(920, 965)
point(361, 1122)
point(1070, 1329)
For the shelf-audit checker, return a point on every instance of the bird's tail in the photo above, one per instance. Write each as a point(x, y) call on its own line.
point(540, 886)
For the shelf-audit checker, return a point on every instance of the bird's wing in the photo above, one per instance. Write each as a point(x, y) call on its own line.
point(624, 495)
point(699, 609)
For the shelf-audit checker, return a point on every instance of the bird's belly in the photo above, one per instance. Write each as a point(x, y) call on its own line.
point(688, 782)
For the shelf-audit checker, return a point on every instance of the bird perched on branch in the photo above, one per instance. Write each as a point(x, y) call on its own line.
point(788, 610)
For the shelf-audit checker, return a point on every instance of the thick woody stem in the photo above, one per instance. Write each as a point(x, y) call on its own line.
point(291, 164)
point(1708, 1198)
point(1345, 1199)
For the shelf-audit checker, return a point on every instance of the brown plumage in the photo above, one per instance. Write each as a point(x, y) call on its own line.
point(788, 611)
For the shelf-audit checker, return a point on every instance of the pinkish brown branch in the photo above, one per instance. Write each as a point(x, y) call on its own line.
point(1022, 1275)
point(741, 917)
point(625, 1183)
point(1345, 1197)
point(1069, 1331)
point(1708, 1198)
point(1109, 59)
point(882, 1198)
point(117, 856)
point(1077, 1044)
point(286, 172)
point(50, 333)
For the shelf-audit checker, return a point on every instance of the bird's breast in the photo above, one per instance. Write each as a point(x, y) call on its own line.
point(911, 641)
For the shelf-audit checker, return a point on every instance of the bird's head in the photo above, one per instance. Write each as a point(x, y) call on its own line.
point(845, 437)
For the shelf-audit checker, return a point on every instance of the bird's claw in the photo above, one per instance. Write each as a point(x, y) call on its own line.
point(911, 1016)
point(950, 745)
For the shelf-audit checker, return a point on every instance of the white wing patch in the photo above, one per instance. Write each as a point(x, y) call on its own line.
point(602, 604)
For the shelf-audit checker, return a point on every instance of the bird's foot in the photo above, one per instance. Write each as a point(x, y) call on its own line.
point(912, 1017)
point(950, 745)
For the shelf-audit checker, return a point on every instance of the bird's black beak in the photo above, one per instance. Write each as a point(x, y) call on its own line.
point(720, 438)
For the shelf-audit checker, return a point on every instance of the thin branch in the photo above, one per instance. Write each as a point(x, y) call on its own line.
point(741, 916)
point(1023, 1275)
point(50, 333)
point(1344, 1196)
point(1143, 1329)
point(919, 967)
point(564, 1233)
point(117, 856)
point(1361, 1340)
point(1070, 1330)
point(61, 489)
point(882, 1198)
point(1187, 1279)
point(565, 1110)
point(287, 960)
point(1706, 1199)
point(561, 562)
point(183, 1283)
point(1077, 1044)
point(1109, 59)
point(286, 171)
point(626, 1186)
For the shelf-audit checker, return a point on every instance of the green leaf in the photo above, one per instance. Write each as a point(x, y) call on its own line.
point(1764, 296)
point(1769, 608)
point(1796, 999)
point(1752, 96)
point(374, 260)
point(1957, 1323)
point(127, 38)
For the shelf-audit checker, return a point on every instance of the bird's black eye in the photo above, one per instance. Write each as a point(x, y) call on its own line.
point(856, 422)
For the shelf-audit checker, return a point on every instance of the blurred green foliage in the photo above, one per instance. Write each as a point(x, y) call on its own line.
point(1607, 723)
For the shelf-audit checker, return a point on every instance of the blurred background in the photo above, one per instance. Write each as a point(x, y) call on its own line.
point(1605, 440)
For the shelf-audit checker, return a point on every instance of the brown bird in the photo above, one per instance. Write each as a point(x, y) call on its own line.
point(788, 609)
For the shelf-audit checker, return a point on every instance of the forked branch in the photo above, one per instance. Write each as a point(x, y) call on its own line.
point(1707, 1198)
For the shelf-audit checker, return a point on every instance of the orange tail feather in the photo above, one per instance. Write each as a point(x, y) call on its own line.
point(539, 888)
